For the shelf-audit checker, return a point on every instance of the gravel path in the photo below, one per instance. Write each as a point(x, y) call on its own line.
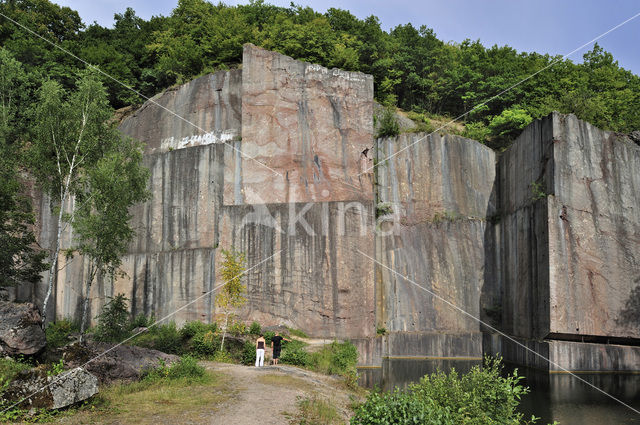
point(270, 395)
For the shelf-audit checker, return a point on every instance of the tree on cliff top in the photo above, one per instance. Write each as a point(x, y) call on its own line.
point(91, 172)
point(232, 294)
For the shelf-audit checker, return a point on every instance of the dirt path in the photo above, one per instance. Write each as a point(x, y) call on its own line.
point(271, 394)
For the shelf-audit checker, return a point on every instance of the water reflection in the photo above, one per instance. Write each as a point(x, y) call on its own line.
point(559, 397)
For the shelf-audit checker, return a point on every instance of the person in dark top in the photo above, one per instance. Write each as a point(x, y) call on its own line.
point(260, 343)
point(276, 346)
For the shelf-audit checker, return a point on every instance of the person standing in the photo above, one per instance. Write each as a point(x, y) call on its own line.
point(260, 342)
point(276, 346)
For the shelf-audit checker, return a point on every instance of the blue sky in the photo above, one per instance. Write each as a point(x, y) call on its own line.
point(555, 27)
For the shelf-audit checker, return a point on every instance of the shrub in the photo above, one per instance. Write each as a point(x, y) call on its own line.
point(237, 329)
point(113, 321)
point(186, 368)
point(388, 125)
point(58, 333)
point(222, 356)
point(191, 329)
point(476, 131)
point(141, 321)
point(506, 126)
point(268, 335)
point(165, 338)
point(399, 408)
point(205, 344)
point(293, 353)
point(248, 353)
point(482, 396)
point(335, 358)
point(298, 332)
point(255, 328)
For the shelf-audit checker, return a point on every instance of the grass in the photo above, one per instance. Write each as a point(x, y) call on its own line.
point(8, 370)
point(316, 411)
point(297, 332)
point(152, 401)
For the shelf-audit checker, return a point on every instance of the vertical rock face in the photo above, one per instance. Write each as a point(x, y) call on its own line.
point(203, 111)
point(308, 123)
point(207, 195)
point(317, 281)
point(569, 232)
point(440, 188)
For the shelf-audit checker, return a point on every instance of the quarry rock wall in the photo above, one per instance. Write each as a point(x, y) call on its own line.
point(276, 160)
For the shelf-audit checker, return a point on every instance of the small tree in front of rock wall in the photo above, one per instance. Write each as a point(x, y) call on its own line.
point(232, 294)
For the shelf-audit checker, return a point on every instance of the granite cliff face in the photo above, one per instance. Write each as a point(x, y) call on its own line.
point(275, 160)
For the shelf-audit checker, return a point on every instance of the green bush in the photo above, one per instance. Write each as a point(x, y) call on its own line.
point(165, 338)
point(481, 397)
point(335, 358)
point(205, 344)
point(113, 321)
point(255, 328)
point(186, 368)
point(388, 125)
point(141, 321)
point(191, 329)
point(222, 356)
point(237, 329)
point(58, 333)
point(293, 353)
point(401, 408)
point(268, 335)
point(506, 126)
point(248, 353)
point(476, 131)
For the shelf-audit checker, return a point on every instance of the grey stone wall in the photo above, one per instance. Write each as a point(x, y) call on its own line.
point(440, 189)
point(568, 231)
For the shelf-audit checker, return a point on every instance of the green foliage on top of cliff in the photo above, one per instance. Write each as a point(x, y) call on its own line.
point(411, 67)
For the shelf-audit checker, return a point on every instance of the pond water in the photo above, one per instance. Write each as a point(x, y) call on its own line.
point(559, 397)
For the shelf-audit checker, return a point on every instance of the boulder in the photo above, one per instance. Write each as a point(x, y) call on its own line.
point(114, 363)
point(51, 392)
point(20, 329)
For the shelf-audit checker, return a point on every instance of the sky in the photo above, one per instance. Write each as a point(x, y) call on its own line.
point(556, 27)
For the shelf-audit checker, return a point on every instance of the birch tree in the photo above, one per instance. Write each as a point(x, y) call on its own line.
point(101, 221)
point(72, 136)
point(231, 295)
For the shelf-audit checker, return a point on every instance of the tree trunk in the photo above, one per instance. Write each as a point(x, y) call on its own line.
point(54, 265)
point(85, 304)
point(224, 332)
